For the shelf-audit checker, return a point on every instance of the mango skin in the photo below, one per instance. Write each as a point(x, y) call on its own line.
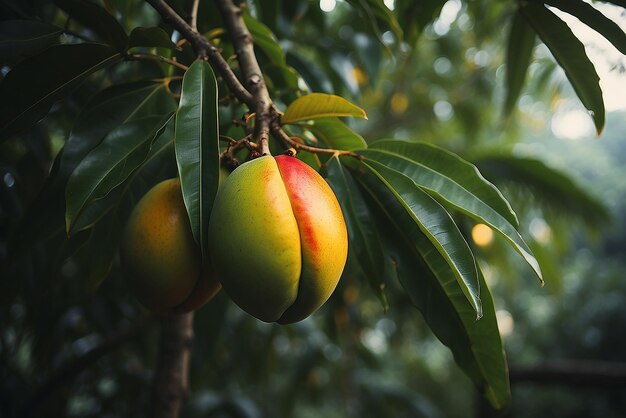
point(278, 239)
point(162, 262)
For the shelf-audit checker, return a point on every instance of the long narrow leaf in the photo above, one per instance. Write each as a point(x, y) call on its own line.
point(455, 181)
point(265, 39)
point(320, 105)
point(109, 164)
point(197, 148)
point(150, 37)
point(570, 53)
point(102, 115)
point(20, 38)
point(102, 248)
point(104, 239)
point(518, 53)
point(548, 186)
point(593, 18)
point(437, 225)
point(97, 19)
point(336, 134)
point(433, 289)
point(94, 212)
point(27, 96)
point(107, 110)
point(364, 241)
point(445, 174)
point(372, 11)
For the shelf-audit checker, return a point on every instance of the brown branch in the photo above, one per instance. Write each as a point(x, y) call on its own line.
point(573, 373)
point(253, 77)
point(193, 20)
point(72, 368)
point(171, 382)
point(204, 49)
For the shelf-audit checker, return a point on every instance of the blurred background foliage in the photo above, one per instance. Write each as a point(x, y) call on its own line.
point(435, 73)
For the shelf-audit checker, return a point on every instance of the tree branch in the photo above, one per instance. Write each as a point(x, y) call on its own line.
point(253, 92)
point(573, 373)
point(254, 82)
point(171, 382)
point(193, 21)
point(204, 49)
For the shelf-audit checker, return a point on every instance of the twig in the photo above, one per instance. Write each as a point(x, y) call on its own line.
point(255, 93)
point(280, 135)
point(159, 58)
point(228, 156)
point(573, 373)
point(204, 49)
point(254, 82)
point(193, 21)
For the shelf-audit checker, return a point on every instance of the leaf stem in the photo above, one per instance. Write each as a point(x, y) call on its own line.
point(159, 58)
point(280, 135)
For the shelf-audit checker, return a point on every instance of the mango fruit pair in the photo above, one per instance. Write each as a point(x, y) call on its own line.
point(277, 242)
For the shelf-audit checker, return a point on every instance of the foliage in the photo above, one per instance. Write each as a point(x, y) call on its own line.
point(126, 102)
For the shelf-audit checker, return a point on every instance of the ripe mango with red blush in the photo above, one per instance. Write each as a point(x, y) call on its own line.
point(278, 238)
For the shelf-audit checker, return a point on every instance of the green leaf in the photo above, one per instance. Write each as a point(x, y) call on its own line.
point(102, 248)
point(437, 226)
point(550, 187)
point(107, 110)
point(20, 38)
point(110, 163)
point(150, 37)
point(373, 10)
point(433, 289)
point(593, 18)
point(97, 19)
point(456, 182)
point(27, 96)
point(197, 147)
point(444, 174)
point(320, 105)
point(335, 134)
point(364, 241)
point(315, 78)
point(414, 16)
point(569, 52)
point(265, 40)
point(146, 176)
point(519, 50)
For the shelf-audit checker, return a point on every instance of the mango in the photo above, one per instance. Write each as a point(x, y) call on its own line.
point(278, 239)
point(161, 260)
